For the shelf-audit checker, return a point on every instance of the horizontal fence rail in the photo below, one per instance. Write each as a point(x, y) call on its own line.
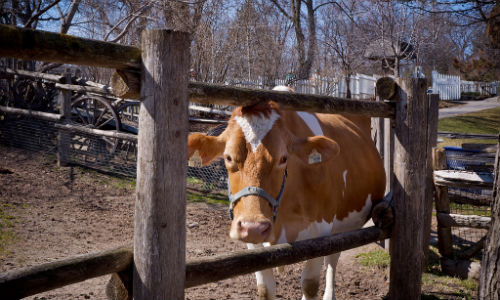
point(54, 47)
point(97, 132)
point(32, 280)
point(6, 73)
point(457, 220)
point(32, 113)
point(205, 93)
point(29, 281)
point(456, 178)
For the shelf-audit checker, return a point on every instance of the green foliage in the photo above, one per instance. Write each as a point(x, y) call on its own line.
point(7, 220)
point(377, 258)
point(482, 122)
point(435, 281)
point(207, 198)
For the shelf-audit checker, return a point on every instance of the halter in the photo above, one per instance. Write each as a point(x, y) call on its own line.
point(253, 190)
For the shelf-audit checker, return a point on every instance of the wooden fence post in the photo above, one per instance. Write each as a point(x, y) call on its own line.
point(410, 177)
point(442, 206)
point(160, 209)
point(432, 124)
point(64, 137)
point(489, 278)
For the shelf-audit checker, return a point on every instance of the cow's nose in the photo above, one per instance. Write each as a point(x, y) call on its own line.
point(254, 232)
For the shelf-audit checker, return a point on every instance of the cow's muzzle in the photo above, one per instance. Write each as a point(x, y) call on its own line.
point(257, 191)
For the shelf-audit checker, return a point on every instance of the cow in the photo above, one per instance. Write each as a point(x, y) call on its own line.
point(294, 176)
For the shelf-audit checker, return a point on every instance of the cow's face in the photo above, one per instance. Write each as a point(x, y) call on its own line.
point(257, 148)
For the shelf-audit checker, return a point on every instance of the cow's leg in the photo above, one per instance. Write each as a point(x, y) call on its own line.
point(310, 278)
point(266, 285)
point(331, 266)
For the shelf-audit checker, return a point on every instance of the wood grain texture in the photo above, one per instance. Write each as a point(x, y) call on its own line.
point(411, 156)
point(445, 245)
point(33, 75)
point(432, 128)
point(489, 279)
point(211, 269)
point(32, 44)
point(206, 93)
point(224, 95)
point(198, 271)
point(386, 88)
point(85, 89)
point(63, 137)
point(456, 178)
point(456, 220)
point(97, 132)
point(159, 228)
point(126, 83)
point(32, 113)
point(25, 282)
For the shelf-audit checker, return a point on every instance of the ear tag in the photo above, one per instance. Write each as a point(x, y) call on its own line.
point(195, 160)
point(314, 157)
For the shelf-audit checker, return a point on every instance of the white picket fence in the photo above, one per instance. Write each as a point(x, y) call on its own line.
point(451, 87)
point(362, 86)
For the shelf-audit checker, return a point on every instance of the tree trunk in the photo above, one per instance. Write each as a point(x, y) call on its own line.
point(489, 280)
point(348, 86)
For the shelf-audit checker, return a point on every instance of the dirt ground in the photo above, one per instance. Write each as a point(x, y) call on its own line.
point(57, 213)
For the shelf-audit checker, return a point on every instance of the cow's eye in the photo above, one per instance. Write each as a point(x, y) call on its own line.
point(228, 158)
point(283, 159)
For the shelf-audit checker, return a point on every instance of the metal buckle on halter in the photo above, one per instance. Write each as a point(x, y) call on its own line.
point(253, 190)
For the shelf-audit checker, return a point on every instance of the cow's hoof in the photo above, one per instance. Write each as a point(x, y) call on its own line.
point(310, 288)
point(263, 293)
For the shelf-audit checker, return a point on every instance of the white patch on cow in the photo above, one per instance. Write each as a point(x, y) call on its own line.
point(355, 219)
point(312, 122)
point(315, 229)
point(282, 238)
point(345, 178)
point(331, 266)
point(256, 127)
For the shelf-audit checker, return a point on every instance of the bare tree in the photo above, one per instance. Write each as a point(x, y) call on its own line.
point(305, 38)
point(340, 37)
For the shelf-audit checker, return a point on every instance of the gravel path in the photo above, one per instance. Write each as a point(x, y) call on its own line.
point(470, 106)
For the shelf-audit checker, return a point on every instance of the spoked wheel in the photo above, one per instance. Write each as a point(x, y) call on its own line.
point(33, 94)
point(94, 112)
point(129, 117)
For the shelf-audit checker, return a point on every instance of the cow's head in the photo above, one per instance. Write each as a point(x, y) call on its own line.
point(257, 147)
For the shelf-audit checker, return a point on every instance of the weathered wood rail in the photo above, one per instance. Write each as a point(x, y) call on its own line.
point(445, 179)
point(28, 44)
point(160, 204)
point(29, 281)
point(31, 113)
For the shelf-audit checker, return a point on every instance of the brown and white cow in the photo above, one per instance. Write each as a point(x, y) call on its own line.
point(324, 167)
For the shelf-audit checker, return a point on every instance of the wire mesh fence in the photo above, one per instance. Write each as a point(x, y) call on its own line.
point(467, 201)
point(105, 154)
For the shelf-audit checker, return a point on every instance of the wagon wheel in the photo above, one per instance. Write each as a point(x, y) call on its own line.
point(94, 112)
point(33, 94)
point(129, 117)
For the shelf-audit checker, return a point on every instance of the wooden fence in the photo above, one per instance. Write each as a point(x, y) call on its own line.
point(477, 175)
point(163, 90)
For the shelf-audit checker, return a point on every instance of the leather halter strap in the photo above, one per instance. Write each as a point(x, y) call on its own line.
point(257, 191)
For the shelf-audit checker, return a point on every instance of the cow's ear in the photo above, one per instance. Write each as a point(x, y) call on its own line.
point(203, 149)
point(314, 150)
